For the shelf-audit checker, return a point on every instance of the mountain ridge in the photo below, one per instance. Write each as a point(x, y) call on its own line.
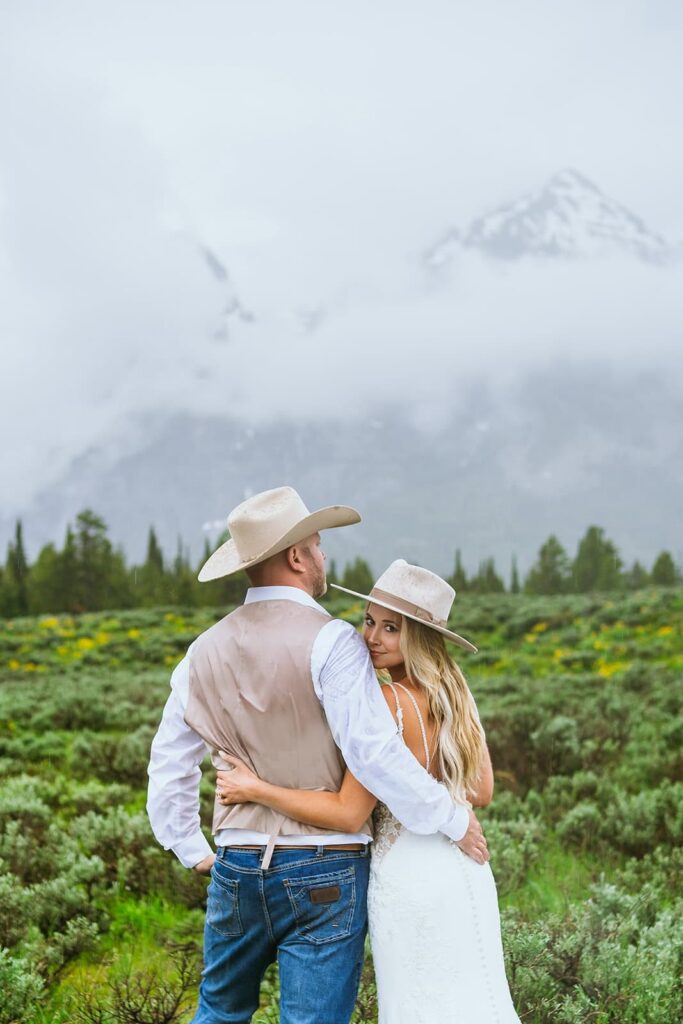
point(568, 217)
point(564, 452)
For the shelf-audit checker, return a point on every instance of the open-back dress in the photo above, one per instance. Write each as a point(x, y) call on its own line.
point(434, 925)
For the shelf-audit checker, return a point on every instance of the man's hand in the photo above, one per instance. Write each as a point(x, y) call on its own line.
point(473, 843)
point(204, 866)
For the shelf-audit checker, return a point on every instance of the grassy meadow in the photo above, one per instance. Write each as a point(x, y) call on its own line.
point(581, 700)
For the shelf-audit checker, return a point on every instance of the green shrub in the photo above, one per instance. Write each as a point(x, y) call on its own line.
point(20, 986)
point(579, 696)
point(14, 900)
point(615, 959)
point(514, 847)
point(143, 996)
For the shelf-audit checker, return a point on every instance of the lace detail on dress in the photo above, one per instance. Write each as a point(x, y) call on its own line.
point(387, 830)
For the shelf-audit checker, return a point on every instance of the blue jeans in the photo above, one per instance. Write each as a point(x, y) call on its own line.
point(308, 911)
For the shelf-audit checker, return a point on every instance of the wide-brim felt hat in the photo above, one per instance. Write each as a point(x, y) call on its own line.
point(266, 524)
point(416, 593)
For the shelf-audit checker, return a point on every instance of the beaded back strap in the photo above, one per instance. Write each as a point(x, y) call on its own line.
point(399, 709)
point(420, 719)
point(399, 716)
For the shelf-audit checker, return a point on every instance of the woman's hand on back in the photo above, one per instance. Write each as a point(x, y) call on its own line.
point(237, 785)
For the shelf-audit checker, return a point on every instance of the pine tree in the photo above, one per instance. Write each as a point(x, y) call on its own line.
point(103, 580)
point(46, 588)
point(664, 570)
point(514, 577)
point(17, 572)
point(636, 577)
point(331, 573)
point(358, 576)
point(597, 565)
point(150, 582)
point(69, 599)
point(6, 596)
point(119, 590)
point(92, 554)
point(155, 558)
point(183, 585)
point(550, 574)
point(459, 578)
point(487, 580)
point(609, 577)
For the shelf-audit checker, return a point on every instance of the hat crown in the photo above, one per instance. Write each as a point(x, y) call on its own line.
point(261, 520)
point(417, 586)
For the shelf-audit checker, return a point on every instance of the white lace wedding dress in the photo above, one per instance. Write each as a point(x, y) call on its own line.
point(434, 928)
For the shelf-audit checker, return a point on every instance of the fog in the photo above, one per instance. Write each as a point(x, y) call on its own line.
point(317, 153)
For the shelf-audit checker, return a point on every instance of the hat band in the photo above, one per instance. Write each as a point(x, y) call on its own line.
point(408, 607)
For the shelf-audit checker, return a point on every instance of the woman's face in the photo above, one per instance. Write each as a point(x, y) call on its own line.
point(382, 631)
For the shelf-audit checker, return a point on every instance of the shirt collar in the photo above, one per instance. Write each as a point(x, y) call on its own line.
point(281, 594)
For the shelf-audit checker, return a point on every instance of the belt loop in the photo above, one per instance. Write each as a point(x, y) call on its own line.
point(320, 850)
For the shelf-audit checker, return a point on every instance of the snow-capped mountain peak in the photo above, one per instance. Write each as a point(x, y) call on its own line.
point(569, 217)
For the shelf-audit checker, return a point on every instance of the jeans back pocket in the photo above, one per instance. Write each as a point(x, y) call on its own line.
point(223, 905)
point(323, 905)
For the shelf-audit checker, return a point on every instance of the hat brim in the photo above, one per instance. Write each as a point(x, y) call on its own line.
point(227, 560)
point(459, 640)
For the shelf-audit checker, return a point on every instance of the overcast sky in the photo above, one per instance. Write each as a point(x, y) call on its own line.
point(317, 149)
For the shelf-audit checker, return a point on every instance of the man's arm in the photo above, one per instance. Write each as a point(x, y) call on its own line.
point(366, 733)
point(174, 774)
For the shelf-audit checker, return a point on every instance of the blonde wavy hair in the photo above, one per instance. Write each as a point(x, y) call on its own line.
point(460, 743)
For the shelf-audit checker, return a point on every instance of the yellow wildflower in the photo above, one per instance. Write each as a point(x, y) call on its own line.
point(608, 668)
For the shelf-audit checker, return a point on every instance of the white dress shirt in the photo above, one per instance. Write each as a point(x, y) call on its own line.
point(361, 724)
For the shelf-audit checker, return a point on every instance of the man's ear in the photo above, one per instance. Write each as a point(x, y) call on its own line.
point(295, 559)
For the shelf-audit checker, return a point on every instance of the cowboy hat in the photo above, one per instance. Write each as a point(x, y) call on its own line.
point(266, 524)
point(419, 594)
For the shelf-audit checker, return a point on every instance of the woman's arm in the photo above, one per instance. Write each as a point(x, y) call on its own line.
point(482, 794)
point(345, 811)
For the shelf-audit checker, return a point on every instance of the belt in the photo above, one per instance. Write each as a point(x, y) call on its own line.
point(308, 846)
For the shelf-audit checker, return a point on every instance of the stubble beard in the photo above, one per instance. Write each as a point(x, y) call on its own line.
point(319, 584)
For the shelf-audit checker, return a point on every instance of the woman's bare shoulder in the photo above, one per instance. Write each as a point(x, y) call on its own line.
point(389, 693)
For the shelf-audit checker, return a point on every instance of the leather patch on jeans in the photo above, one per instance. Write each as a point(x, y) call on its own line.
point(329, 895)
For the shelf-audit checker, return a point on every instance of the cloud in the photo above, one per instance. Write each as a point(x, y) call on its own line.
point(317, 153)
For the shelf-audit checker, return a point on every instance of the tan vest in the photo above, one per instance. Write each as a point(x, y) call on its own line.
point(251, 695)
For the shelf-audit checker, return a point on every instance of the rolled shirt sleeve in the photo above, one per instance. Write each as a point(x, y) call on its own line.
point(174, 775)
point(365, 731)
